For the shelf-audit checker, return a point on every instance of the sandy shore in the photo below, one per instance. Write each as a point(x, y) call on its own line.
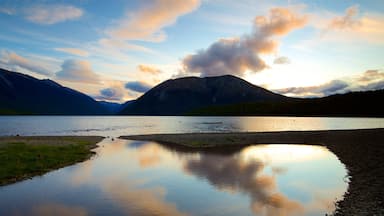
point(362, 151)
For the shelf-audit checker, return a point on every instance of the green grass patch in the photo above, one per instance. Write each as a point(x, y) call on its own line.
point(195, 143)
point(24, 157)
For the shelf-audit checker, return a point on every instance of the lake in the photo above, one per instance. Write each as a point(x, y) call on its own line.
point(148, 178)
point(130, 125)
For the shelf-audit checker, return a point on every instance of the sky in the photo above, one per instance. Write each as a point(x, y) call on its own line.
point(117, 50)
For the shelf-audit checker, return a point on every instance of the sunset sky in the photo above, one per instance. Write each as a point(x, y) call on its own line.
point(116, 50)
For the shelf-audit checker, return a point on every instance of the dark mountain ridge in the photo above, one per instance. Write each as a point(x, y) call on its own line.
point(24, 94)
point(352, 104)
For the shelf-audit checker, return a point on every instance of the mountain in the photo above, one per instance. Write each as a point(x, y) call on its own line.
point(111, 107)
point(182, 95)
point(23, 94)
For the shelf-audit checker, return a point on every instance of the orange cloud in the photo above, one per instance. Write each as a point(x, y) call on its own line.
point(149, 155)
point(280, 22)
point(348, 21)
point(352, 26)
point(146, 24)
point(148, 69)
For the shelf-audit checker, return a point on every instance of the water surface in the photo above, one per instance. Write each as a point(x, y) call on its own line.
point(147, 178)
point(130, 125)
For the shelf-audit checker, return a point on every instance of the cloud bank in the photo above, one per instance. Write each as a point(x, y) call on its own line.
point(332, 87)
point(237, 55)
point(368, 81)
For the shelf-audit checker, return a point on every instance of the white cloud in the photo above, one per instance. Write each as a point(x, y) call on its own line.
point(51, 14)
point(74, 51)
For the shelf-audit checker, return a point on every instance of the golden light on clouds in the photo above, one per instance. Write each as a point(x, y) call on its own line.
point(146, 23)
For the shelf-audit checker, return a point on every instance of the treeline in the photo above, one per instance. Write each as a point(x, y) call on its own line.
point(369, 104)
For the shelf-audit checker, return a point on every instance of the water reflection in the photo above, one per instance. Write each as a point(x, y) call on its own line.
point(50, 209)
point(147, 178)
point(235, 174)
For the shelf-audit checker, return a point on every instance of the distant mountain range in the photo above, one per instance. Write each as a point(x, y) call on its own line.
point(353, 104)
point(23, 94)
point(222, 95)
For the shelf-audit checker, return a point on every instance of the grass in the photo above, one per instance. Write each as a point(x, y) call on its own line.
point(25, 157)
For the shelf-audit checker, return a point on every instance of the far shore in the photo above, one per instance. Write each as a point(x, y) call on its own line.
point(362, 152)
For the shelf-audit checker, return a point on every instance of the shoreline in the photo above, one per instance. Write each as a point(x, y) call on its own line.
point(360, 150)
point(25, 157)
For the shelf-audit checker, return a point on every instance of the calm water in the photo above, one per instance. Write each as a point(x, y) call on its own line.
point(146, 178)
point(128, 125)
